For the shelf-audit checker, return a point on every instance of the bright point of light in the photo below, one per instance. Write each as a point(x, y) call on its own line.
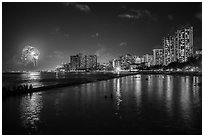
point(118, 69)
point(32, 53)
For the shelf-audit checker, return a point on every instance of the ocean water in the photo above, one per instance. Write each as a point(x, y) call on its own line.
point(140, 104)
point(39, 79)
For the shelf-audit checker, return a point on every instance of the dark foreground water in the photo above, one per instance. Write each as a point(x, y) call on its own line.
point(141, 104)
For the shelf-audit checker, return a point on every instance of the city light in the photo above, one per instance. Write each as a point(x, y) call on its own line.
point(125, 68)
point(118, 69)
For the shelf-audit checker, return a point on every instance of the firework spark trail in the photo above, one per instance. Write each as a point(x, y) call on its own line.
point(30, 54)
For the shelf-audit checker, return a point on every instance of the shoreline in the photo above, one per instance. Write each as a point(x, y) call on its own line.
point(172, 73)
point(78, 81)
point(74, 82)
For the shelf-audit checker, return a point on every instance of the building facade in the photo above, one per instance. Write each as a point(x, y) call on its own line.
point(184, 43)
point(125, 61)
point(148, 60)
point(157, 56)
point(169, 50)
point(90, 61)
point(74, 62)
point(116, 63)
point(179, 46)
point(81, 61)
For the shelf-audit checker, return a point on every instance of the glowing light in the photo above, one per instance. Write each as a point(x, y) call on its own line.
point(30, 108)
point(30, 54)
point(117, 69)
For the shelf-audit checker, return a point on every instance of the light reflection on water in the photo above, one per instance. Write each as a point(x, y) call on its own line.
point(185, 97)
point(138, 91)
point(32, 78)
point(196, 99)
point(117, 84)
point(169, 94)
point(160, 85)
point(30, 108)
point(37, 79)
point(173, 102)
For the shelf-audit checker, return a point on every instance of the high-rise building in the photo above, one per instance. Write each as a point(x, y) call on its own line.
point(179, 46)
point(169, 50)
point(125, 61)
point(142, 59)
point(157, 56)
point(81, 61)
point(75, 62)
point(184, 43)
point(91, 61)
point(116, 63)
point(148, 59)
point(137, 59)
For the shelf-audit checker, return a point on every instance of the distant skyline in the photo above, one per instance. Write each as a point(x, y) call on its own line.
point(59, 30)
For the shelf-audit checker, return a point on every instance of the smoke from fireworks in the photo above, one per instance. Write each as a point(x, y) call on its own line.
point(30, 54)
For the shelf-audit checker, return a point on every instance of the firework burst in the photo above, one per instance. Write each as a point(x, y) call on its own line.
point(30, 54)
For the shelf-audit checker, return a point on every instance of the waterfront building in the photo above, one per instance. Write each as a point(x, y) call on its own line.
point(184, 43)
point(137, 60)
point(125, 61)
point(91, 61)
point(179, 46)
point(66, 66)
point(169, 50)
point(157, 56)
point(142, 59)
point(116, 63)
point(148, 60)
point(74, 62)
point(134, 66)
point(81, 61)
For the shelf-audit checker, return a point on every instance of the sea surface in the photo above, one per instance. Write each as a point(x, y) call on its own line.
point(40, 79)
point(137, 104)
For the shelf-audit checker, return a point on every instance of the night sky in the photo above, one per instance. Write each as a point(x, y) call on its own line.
point(108, 30)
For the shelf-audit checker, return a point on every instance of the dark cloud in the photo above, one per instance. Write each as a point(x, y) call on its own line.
point(139, 14)
point(144, 14)
point(81, 7)
point(128, 16)
point(123, 44)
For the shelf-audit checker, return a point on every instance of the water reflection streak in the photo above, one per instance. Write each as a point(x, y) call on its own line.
point(30, 109)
